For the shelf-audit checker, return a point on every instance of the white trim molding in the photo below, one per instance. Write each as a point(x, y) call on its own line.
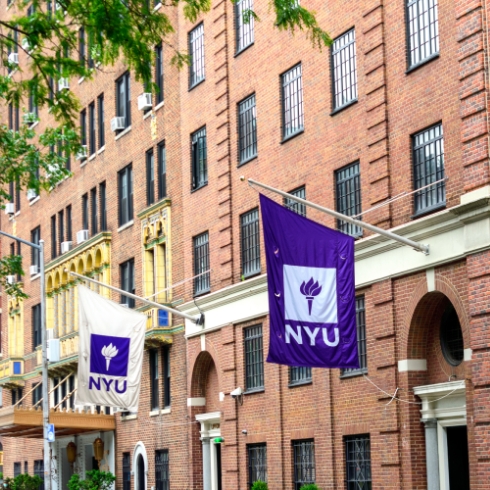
point(412, 365)
point(196, 402)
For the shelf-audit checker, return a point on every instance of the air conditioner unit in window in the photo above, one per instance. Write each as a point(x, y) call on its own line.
point(11, 279)
point(63, 84)
point(82, 236)
point(10, 208)
point(14, 58)
point(26, 44)
point(118, 123)
point(31, 194)
point(33, 270)
point(29, 118)
point(82, 153)
point(58, 6)
point(67, 246)
point(144, 101)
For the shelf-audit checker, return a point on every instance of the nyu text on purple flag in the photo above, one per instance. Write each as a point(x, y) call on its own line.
point(310, 275)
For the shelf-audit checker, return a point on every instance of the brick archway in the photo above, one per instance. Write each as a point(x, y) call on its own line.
point(203, 364)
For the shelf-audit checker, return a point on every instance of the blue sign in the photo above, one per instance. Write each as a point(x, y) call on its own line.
point(162, 318)
point(50, 433)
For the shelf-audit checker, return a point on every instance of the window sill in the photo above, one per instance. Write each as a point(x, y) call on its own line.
point(353, 374)
point(92, 157)
point(197, 83)
point(343, 107)
point(251, 274)
point(34, 201)
point(291, 136)
point(101, 150)
point(430, 210)
point(35, 276)
point(131, 416)
point(34, 124)
point(202, 293)
point(200, 187)
point(254, 390)
point(81, 80)
point(123, 132)
point(83, 163)
point(158, 6)
point(248, 160)
point(126, 225)
point(148, 114)
point(159, 106)
point(239, 52)
point(301, 383)
point(163, 411)
point(422, 63)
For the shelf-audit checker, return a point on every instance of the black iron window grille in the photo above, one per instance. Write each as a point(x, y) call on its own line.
point(154, 379)
point(428, 167)
point(150, 178)
point(344, 71)
point(83, 128)
point(92, 128)
point(254, 358)
point(299, 375)
point(244, 30)
point(250, 243)
point(247, 129)
point(199, 159)
point(125, 181)
point(126, 470)
point(162, 476)
point(103, 206)
point(36, 325)
point(162, 171)
point(35, 253)
point(358, 462)
point(54, 249)
point(196, 50)
point(348, 190)
point(304, 463)
point(202, 282)
point(123, 99)
point(100, 106)
point(166, 376)
point(423, 30)
point(17, 468)
point(85, 211)
point(292, 102)
point(257, 463)
point(361, 338)
point(127, 282)
point(159, 73)
point(68, 224)
point(94, 225)
point(39, 471)
point(296, 206)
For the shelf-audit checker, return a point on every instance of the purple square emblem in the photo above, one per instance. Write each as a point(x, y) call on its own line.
point(109, 355)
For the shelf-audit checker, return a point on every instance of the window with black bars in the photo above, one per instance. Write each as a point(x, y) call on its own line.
point(250, 241)
point(83, 128)
point(296, 206)
point(100, 109)
point(254, 358)
point(61, 229)
point(162, 476)
point(299, 375)
point(154, 379)
point(85, 212)
point(126, 471)
point(17, 468)
point(361, 339)
point(196, 51)
point(159, 73)
point(304, 463)
point(358, 462)
point(37, 394)
point(36, 325)
point(150, 178)
point(17, 394)
point(69, 229)
point(103, 206)
point(344, 71)
point(35, 253)
point(39, 471)
point(247, 129)
point(428, 167)
point(244, 30)
point(167, 399)
point(127, 282)
point(162, 171)
point(94, 226)
point(348, 196)
point(125, 181)
point(202, 283)
point(199, 159)
point(423, 30)
point(54, 249)
point(257, 463)
point(123, 99)
point(92, 129)
point(292, 102)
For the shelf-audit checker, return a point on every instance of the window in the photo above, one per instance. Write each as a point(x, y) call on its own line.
point(36, 254)
point(257, 463)
point(125, 181)
point(68, 224)
point(154, 377)
point(295, 206)
point(127, 282)
point(19, 253)
point(166, 376)
point(93, 208)
point(83, 128)
point(451, 337)
point(150, 178)
point(344, 71)
point(159, 73)
point(91, 123)
point(162, 477)
point(250, 243)
point(37, 394)
point(100, 106)
point(103, 207)
point(61, 229)
point(199, 159)
point(254, 359)
point(36, 325)
point(292, 102)
point(348, 195)
point(304, 463)
point(299, 375)
point(126, 468)
point(247, 129)
point(423, 30)
point(123, 99)
point(17, 469)
point(201, 264)
point(244, 30)
point(361, 338)
point(162, 171)
point(16, 395)
point(428, 167)
point(81, 46)
point(85, 212)
point(196, 51)
point(39, 471)
point(358, 462)
point(33, 108)
point(53, 237)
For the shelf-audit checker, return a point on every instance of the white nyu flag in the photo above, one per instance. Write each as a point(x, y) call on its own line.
point(110, 352)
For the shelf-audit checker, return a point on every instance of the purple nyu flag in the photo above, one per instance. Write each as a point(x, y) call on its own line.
point(310, 274)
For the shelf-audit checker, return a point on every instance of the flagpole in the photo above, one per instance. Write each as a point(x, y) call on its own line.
point(419, 247)
point(198, 320)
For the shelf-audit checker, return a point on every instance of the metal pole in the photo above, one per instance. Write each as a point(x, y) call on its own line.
point(419, 247)
point(198, 320)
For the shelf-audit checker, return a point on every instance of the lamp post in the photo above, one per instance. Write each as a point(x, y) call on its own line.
point(45, 388)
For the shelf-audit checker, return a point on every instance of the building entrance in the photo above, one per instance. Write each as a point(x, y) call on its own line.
point(457, 455)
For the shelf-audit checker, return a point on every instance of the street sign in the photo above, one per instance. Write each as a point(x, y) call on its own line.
point(50, 433)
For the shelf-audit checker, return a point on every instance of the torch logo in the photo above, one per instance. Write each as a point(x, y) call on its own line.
point(310, 289)
point(108, 351)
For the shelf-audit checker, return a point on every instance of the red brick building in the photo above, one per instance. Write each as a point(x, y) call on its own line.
point(393, 115)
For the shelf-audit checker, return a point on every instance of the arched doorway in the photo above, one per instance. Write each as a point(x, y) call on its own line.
point(140, 471)
point(140, 465)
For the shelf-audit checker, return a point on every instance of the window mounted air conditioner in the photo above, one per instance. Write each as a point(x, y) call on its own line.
point(10, 208)
point(10, 279)
point(31, 194)
point(26, 44)
point(144, 101)
point(66, 246)
point(13, 58)
point(118, 123)
point(63, 84)
point(58, 6)
point(29, 118)
point(82, 236)
point(33, 270)
point(82, 153)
